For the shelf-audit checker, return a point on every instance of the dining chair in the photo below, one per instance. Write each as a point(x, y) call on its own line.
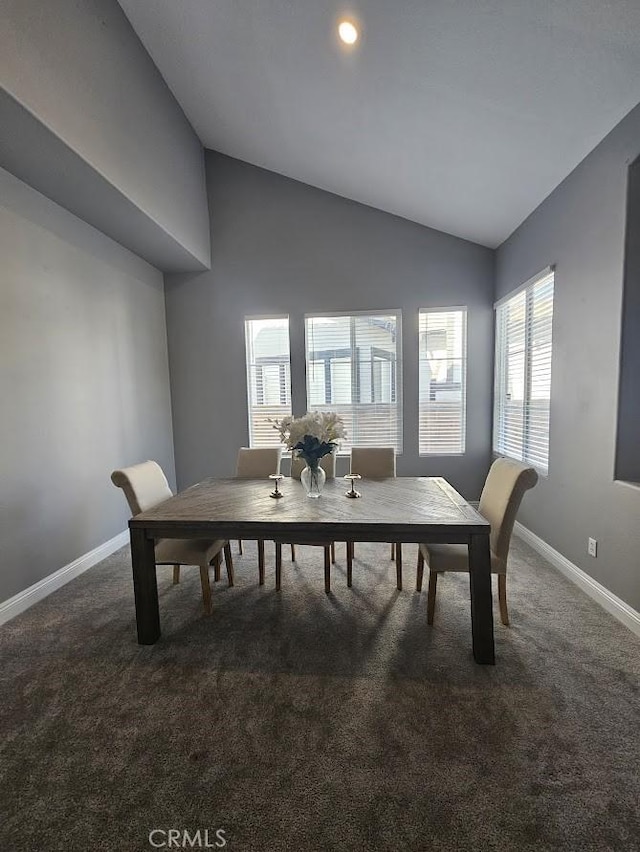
point(328, 464)
point(500, 500)
point(258, 463)
point(374, 463)
point(145, 486)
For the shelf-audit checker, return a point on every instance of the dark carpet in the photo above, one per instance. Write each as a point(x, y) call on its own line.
point(300, 721)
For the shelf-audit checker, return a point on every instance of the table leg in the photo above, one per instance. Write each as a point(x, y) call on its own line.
point(145, 587)
point(481, 604)
point(327, 568)
point(278, 566)
point(398, 555)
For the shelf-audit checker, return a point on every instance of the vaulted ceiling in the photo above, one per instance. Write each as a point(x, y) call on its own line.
point(458, 114)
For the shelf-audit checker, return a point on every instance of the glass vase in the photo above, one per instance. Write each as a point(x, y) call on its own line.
point(313, 479)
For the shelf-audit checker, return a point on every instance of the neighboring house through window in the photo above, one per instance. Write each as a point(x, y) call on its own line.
point(442, 381)
point(268, 377)
point(353, 368)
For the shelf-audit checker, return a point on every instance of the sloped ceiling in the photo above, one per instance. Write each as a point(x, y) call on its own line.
point(458, 114)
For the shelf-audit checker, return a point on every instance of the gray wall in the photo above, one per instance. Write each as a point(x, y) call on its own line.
point(581, 228)
point(85, 83)
point(83, 382)
point(280, 246)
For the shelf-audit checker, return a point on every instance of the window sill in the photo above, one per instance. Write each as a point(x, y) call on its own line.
point(441, 455)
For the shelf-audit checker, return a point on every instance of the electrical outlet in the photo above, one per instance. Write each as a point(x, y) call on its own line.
point(592, 548)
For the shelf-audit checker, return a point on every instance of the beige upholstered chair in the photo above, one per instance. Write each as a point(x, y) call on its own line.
point(501, 496)
point(374, 463)
point(258, 463)
point(328, 464)
point(145, 486)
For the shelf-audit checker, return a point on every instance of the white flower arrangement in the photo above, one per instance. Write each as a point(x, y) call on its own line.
point(313, 436)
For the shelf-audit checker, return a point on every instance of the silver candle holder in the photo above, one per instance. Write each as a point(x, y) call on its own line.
point(352, 492)
point(276, 493)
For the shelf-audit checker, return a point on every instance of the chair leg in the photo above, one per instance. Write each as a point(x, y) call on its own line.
point(333, 553)
point(278, 566)
point(349, 563)
point(176, 575)
point(399, 566)
point(216, 567)
point(228, 561)
point(419, 570)
point(240, 547)
point(327, 568)
point(206, 588)
point(293, 553)
point(502, 598)
point(431, 598)
point(393, 552)
point(261, 562)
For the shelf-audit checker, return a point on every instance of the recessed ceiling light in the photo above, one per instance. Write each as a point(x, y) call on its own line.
point(347, 32)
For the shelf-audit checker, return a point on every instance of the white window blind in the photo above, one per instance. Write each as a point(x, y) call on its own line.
point(442, 381)
point(523, 373)
point(268, 377)
point(354, 369)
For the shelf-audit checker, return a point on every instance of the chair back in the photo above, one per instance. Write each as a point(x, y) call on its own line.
point(500, 500)
point(258, 462)
point(373, 462)
point(327, 463)
point(144, 485)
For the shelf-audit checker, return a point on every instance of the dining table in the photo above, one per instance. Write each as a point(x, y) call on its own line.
point(401, 510)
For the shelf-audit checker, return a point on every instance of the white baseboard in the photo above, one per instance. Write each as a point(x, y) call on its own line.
point(23, 600)
point(607, 600)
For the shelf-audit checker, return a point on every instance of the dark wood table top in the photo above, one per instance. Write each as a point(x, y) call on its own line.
point(410, 509)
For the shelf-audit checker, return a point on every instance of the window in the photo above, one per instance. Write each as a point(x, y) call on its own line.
point(627, 464)
point(523, 373)
point(354, 369)
point(442, 381)
point(268, 377)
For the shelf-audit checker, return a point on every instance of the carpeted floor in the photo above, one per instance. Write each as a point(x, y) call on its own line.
point(297, 721)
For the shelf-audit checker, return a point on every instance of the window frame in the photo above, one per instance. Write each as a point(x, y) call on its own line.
point(269, 361)
point(526, 289)
point(465, 360)
point(397, 375)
